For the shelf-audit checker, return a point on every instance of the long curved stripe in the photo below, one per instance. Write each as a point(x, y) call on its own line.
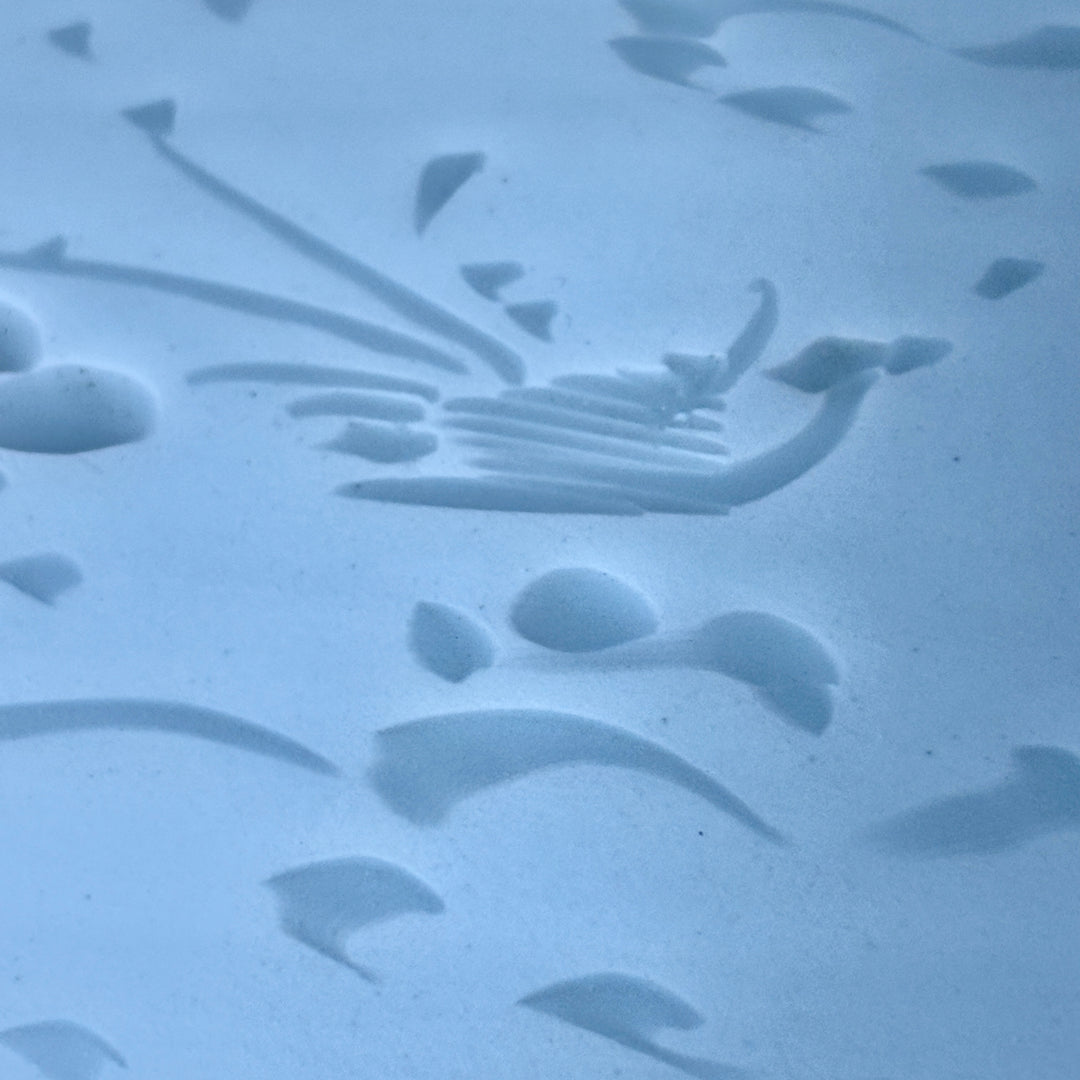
point(747, 348)
point(503, 360)
point(310, 375)
point(731, 8)
point(380, 339)
point(702, 18)
point(426, 766)
point(133, 714)
point(323, 904)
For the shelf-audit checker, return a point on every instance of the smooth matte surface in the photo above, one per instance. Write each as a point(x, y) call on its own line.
point(329, 330)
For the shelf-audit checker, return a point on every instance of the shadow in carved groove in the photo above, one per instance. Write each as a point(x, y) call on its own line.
point(62, 1050)
point(425, 767)
point(629, 1011)
point(131, 714)
point(1039, 797)
point(702, 18)
point(157, 120)
point(45, 577)
point(625, 444)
